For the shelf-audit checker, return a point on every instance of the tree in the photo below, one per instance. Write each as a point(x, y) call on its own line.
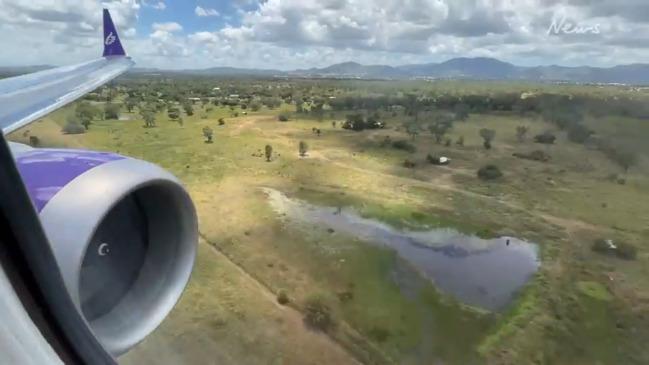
point(488, 136)
point(208, 133)
point(318, 111)
point(130, 103)
point(412, 129)
point(255, 106)
point(521, 132)
point(85, 122)
point(624, 158)
point(439, 129)
point(269, 152)
point(299, 107)
point(148, 116)
point(354, 122)
point(86, 112)
point(111, 111)
point(461, 111)
point(578, 133)
point(303, 148)
point(460, 141)
point(189, 108)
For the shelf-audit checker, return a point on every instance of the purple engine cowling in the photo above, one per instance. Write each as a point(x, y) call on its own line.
point(124, 234)
point(46, 172)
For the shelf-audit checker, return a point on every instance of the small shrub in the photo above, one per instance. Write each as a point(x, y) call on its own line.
point(282, 297)
point(221, 121)
point(73, 127)
point(379, 334)
point(545, 138)
point(404, 146)
point(282, 118)
point(626, 251)
point(34, 141)
point(621, 250)
point(345, 296)
point(534, 156)
point(490, 172)
point(578, 133)
point(409, 164)
point(318, 313)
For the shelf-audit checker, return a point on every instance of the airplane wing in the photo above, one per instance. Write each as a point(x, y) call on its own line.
point(106, 243)
point(25, 98)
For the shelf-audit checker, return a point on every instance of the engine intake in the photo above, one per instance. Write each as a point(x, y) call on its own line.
point(124, 234)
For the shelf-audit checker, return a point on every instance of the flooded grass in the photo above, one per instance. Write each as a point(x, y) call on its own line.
point(485, 273)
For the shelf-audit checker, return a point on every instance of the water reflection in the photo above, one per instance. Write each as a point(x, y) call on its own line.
point(485, 273)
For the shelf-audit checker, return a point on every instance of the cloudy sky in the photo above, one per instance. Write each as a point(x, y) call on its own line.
point(289, 34)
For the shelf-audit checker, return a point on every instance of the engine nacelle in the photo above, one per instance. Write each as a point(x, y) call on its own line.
point(124, 234)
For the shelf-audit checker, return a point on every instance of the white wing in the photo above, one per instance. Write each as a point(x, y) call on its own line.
point(24, 99)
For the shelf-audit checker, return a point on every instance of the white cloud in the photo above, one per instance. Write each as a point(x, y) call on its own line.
point(289, 34)
point(169, 27)
point(158, 5)
point(200, 11)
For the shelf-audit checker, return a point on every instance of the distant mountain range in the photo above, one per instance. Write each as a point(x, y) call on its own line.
point(457, 68)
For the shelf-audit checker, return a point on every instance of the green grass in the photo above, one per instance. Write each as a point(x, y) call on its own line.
point(594, 290)
point(570, 314)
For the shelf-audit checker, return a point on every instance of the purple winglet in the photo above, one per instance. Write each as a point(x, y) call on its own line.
point(112, 44)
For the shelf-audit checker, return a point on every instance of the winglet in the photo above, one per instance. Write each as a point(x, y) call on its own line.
point(112, 44)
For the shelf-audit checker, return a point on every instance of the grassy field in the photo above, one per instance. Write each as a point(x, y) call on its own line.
point(581, 307)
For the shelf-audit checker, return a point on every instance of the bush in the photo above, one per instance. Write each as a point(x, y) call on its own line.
point(404, 145)
point(318, 313)
point(221, 121)
point(534, 156)
point(73, 127)
point(282, 298)
point(34, 141)
point(578, 133)
point(626, 251)
point(490, 172)
point(282, 118)
point(621, 250)
point(545, 138)
point(379, 334)
point(409, 164)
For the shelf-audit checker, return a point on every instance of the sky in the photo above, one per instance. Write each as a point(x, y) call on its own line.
point(294, 34)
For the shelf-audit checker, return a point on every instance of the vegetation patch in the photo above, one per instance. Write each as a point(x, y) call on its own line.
point(318, 312)
point(490, 172)
point(594, 290)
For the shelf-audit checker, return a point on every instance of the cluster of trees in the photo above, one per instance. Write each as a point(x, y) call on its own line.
point(357, 122)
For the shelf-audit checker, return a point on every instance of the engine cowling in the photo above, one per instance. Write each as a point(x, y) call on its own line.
point(124, 234)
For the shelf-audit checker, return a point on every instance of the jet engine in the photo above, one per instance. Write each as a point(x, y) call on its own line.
point(123, 232)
